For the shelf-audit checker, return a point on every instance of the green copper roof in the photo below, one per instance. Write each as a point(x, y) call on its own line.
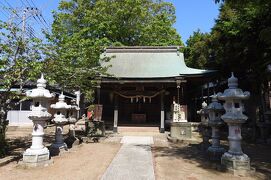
point(148, 62)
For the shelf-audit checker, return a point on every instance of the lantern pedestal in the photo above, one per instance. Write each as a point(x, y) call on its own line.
point(59, 146)
point(235, 160)
point(204, 128)
point(206, 135)
point(215, 151)
point(37, 154)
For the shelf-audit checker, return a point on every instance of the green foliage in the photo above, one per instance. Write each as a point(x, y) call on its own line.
point(197, 52)
point(20, 61)
point(240, 41)
point(83, 28)
point(241, 37)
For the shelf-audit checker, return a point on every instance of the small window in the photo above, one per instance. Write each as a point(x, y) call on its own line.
point(58, 113)
point(37, 104)
point(236, 105)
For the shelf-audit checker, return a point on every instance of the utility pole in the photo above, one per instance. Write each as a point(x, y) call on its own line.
point(29, 11)
point(23, 19)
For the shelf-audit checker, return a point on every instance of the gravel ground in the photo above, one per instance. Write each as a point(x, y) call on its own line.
point(186, 161)
point(87, 161)
point(90, 161)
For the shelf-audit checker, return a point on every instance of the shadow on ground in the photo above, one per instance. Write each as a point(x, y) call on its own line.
point(16, 146)
point(192, 153)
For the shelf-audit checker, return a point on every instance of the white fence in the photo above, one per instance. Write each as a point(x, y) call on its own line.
point(19, 118)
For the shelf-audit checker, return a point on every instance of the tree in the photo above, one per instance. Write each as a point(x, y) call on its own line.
point(239, 41)
point(20, 61)
point(196, 51)
point(83, 28)
point(241, 38)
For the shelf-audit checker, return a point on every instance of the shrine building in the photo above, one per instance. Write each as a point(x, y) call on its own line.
point(142, 83)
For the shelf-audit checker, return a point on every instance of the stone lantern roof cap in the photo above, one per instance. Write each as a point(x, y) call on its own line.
point(61, 104)
point(215, 105)
point(40, 91)
point(203, 110)
point(75, 107)
point(204, 105)
point(233, 92)
point(232, 81)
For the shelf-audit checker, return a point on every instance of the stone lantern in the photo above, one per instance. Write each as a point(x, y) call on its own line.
point(215, 110)
point(60, 120)
point(72, 119)
point(38, 154)
point(234, 159)
point(203, 126)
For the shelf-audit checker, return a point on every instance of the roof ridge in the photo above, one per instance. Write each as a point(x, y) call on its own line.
point(157, 49)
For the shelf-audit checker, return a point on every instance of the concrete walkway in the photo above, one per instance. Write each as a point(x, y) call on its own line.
point(133, 161)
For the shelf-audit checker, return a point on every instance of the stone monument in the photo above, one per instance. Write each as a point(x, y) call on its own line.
point(180, 129)
point(60, 120)
point(215, 110)
point(38, 154)
point(204, 126)
point(234, 160)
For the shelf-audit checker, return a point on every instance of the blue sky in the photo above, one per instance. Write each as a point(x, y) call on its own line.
point(191, 14)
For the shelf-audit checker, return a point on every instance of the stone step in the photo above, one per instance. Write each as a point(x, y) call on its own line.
point(138, 129)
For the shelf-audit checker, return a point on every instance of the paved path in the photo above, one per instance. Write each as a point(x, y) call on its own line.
point(133, 161)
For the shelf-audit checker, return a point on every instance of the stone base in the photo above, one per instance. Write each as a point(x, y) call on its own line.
point(183, 141)
point(36, 157)
point(162, 130)
point(205, 145)
point(115, 129)
point(88, 139)
point(215, 153)
point(181, 130)
point(268, 141)
point(72, 141)
point(237, 164)
point(23, 164)
point(57, 149)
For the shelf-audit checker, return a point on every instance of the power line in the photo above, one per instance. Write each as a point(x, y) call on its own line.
point(28, 3)
point(33, 3)
point(22, 3)
point(44, 20)
point(46, 24)
point(4, 13)
point(11, 8)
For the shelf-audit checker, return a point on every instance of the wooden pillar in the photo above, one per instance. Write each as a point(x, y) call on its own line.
point(98, 91)
point(116, 113)
point(208, 92)
point(162, 124)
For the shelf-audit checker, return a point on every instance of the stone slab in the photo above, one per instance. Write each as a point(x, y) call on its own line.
point(35, 164)
point(141, 140)
point(181, 130)
point(133, 161)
